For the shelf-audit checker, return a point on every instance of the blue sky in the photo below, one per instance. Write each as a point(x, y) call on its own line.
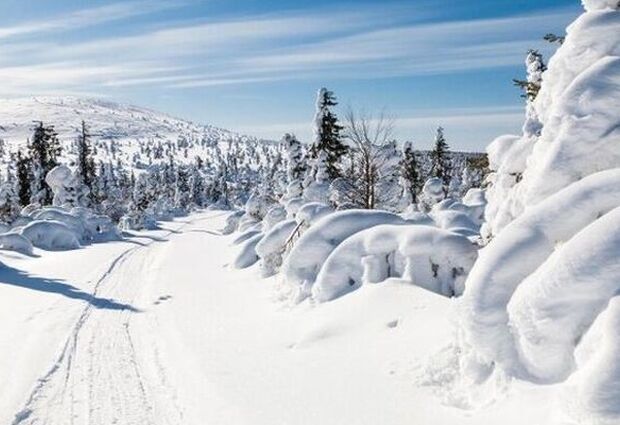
point(254, 66)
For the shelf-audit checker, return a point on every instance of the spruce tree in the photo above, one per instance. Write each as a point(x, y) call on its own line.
point(85, 161)
point(44, 152)
point(327, 137)
point(441, 167)
point(411, 173)
point(24, 179)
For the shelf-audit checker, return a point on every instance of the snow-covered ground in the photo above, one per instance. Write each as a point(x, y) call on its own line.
point(157, 329)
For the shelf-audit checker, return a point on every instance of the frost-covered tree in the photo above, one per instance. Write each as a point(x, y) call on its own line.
point(411, 173)
point(327, 133)
point(44, 151)
point(182, 190)
point(295, 166)
point(535, 68)
point(9, 200)
point(440, 160)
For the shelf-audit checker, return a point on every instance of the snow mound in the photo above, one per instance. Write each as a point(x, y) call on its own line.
point(429, 257)
point(50, 235)
point(15, 242)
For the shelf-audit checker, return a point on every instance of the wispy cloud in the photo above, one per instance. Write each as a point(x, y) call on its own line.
point(370, 42)
point(88, 17)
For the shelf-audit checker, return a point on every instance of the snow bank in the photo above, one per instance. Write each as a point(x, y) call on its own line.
point(314, 246)
point(75, 223)
point(429, 257)
point(50, 235)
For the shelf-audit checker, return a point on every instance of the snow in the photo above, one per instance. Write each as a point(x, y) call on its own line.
point(247, 255)
point(432, 258)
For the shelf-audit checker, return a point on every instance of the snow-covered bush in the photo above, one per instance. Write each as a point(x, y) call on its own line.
point(312, 249)
point(429, 257)
point(272, 246)
point(15, 242)
point(50, 235)
point(232, 222)
point(247, 255)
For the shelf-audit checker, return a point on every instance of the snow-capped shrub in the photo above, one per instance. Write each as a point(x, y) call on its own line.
point(475, 199)
point(272, 246)
point(429, 257)
point(15, 242)
point(247, 255)
point(312, 212)
point(75, 223)
point(432, 192)
point(257, 206)
point(101, 228)
point(248, 222)
point(232, 222)
point(66, 185)
point(276, 214)
point(50, 235)
point(312, 249)
point(292, 206)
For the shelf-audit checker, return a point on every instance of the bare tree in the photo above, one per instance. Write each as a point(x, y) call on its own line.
point(373, 158)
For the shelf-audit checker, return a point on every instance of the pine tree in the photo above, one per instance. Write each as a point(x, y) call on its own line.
point(86, 162)
point(411, 173)
point(441, 167)
point(24, 179)
point(327, 137)
point(44, 151)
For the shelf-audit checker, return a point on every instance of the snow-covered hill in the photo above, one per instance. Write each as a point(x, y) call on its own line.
point(106, 119)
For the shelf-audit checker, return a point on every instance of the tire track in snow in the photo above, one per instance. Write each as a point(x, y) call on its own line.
point(97, 378)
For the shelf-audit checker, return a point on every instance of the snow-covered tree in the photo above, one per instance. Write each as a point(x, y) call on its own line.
point(295, 166)
point(535, 68)
point(44, 152)
point(85, 161)
point(327, 137)
point(440, 160)
point(411, 174)
point(9, 199)
point(24, 179)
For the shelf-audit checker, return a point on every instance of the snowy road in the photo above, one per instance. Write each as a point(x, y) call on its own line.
point(158, 330)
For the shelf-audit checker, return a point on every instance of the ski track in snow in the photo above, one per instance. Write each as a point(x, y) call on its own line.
point(99, 376)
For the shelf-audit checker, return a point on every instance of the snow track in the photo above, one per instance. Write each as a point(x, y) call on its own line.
point(109, 370)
